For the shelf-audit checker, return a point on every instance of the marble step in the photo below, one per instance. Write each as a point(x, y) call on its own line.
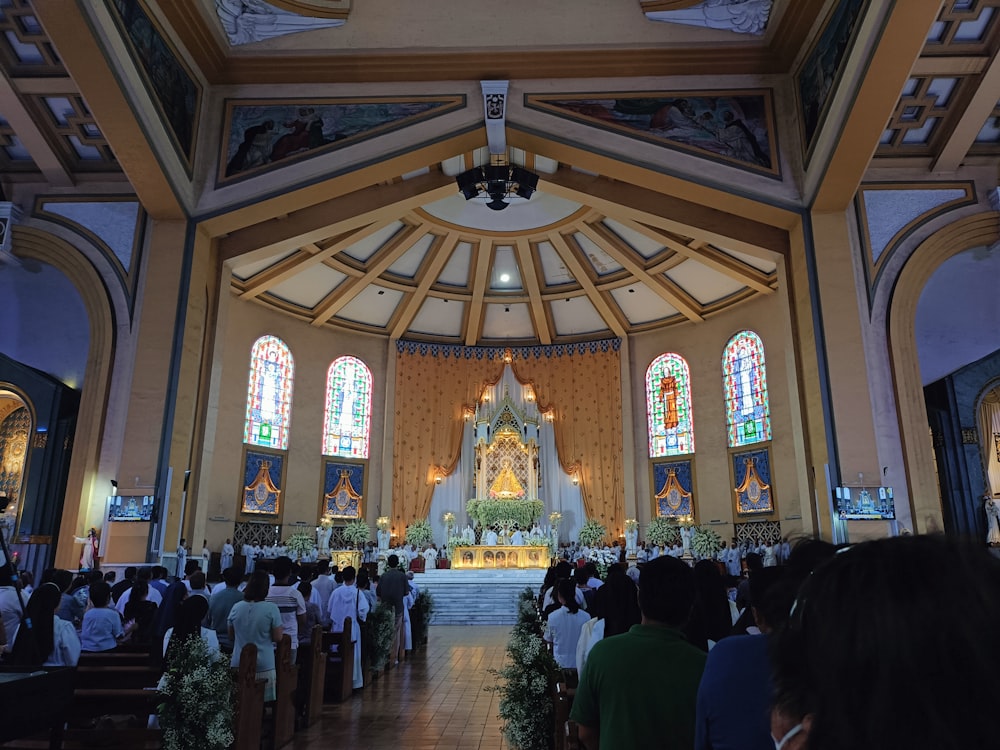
point(470, 597)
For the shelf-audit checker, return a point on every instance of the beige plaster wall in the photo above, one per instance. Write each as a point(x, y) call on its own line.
point(313, 350)
point(702, 346)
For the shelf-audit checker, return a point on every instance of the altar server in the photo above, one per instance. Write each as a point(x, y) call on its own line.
point(345, 602)
point(226, 559)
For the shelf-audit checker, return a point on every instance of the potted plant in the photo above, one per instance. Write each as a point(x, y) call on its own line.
point(197, 694)
point(662, 532)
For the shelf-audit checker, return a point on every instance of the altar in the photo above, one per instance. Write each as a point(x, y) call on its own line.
point(481, 556)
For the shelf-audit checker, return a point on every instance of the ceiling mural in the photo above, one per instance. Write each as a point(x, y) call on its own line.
point(262, 134)
point(734, 127)
point(248, 21)
point(740, 16)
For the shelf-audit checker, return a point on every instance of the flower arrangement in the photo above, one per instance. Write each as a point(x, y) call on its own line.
point(419, 533)
point(357, 532)
point(705, 542)
point(378, 631)
point(524, 682)
point(300, 543)
point(197, 696)
point(495, 512)
point(662, 532)
point(592, 533)
point(383, 523)
point(603, 559)
point(420, 617)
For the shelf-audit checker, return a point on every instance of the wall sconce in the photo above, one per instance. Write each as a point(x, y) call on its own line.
point(549, 416)
point(438, 479)
point(576, 480)
point(529, 395)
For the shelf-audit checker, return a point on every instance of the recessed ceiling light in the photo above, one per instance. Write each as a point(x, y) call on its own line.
point(506, 309)
point(381, 292)
point(631, 291)
point(505, 277)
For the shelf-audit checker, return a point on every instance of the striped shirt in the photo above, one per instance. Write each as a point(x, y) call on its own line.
point(290, 605)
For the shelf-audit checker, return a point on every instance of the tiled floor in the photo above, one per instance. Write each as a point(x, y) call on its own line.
point(433, 701)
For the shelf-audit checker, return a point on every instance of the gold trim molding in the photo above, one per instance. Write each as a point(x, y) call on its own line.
point(317, 8)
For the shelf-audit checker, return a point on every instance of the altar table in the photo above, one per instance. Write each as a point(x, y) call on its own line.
point(503, 556)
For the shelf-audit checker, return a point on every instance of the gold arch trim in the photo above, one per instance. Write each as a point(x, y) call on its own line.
point(918, 454)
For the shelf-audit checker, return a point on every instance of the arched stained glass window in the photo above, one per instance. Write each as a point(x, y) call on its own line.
point(748, 416)
point(668, 406)
point(269, 394)
point(348, 412)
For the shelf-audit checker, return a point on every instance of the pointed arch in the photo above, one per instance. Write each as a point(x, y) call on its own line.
point(668, 406)
point(348, 414)
point(744, 376)
point(269, 394)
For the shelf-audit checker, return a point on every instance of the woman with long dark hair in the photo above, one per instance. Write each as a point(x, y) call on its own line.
point(42, 638)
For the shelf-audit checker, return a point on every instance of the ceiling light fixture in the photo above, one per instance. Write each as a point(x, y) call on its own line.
point(505, 277)
point(498, 182)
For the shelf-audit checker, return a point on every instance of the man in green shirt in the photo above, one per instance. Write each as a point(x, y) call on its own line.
point(638, 689)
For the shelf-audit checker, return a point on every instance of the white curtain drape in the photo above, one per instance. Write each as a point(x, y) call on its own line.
point(989, 430)
point(557, 491)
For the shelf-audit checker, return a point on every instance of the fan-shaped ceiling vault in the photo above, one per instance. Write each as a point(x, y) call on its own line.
point(413, 259)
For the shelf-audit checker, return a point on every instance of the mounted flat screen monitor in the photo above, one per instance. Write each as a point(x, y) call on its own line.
point(130, 508)
point(866, 504)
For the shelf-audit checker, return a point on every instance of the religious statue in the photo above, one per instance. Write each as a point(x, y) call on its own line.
point(632, 541)
point(468, 535)
point(182, 555)
point(89, 554)
point(992, 521)
point(323, 536)
point(384, 537)
point(686, 540)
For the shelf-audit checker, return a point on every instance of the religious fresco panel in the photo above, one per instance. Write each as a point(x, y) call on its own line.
point(171, 84)
point(673, 488)
point(733, 127)
point(343, 490)
point(816, 81)
point(263, 479)
point(259, 135)
point(752, 481)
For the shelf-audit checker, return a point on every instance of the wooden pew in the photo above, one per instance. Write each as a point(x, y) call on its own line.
point(562, 700)
point(312, 676)
point(114, 659)
point(284, 705)
point(249, 702)
point(339, 682)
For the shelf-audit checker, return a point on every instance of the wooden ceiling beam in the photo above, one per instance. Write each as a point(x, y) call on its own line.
point(440, 253)
point(625, 256)
point(31, 136)
point(348, 289)
point(484, 251)
point(976, 112)
point(530, 282)
point(706, 254)
point(336, 215)
point(575, 266)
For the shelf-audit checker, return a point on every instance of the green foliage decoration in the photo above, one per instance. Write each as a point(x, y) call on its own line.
point(378, 630)
point(592, 533)
point(197, 694)
point(493, 512)
point(705, 542)
point(419, 533)
point(357, 532)
point(663, 532)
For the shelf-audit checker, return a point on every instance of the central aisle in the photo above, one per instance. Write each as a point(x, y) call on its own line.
point(433, 701)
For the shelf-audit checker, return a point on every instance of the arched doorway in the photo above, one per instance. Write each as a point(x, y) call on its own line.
point(16, 430)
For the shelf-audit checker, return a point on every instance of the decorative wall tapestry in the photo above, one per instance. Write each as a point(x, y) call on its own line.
point(734, 127)
point(752, 481)
point(816, 82)
point(343, 489)
point(171, 84)
point(263, 478)
point(259, 135)
point(673, 488)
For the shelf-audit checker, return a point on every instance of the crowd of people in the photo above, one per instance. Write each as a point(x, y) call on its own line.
point(148, 610)
point(873, 645)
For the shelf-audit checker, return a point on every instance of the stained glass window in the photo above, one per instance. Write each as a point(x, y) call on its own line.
point(348, 409)
point(269, 394)
point(668, 406)
point(744, 377)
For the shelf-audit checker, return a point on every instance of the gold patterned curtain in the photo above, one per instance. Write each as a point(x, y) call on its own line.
point(433, 393)
point(580, 384)
point(582, 388)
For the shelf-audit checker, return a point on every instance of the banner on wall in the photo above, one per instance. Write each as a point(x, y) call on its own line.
point(673, 485)
point(263, 478)
point(752, 481)
point(343, 490)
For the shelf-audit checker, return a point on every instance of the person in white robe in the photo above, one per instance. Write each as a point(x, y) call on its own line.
point(347, 601)
point(249, 557)
point(733, 558)
point(468, 535)
point(226, 558)
point(517, 539)
point(182, 556)
point(770, 556)
point(430, 558)
point(490, 538)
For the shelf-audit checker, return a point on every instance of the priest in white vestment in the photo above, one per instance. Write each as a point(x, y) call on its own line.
point(347, 601)
point(517, 539)
point(226, 559)
point(490, 538)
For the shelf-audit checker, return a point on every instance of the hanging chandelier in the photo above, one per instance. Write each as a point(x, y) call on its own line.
point(499, 182)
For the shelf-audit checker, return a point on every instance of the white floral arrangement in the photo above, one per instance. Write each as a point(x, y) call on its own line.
point(457, 540)
point(537, 540)
point(419, 533)
point(197, 694)
point(300, 543)
point(705, 542)
point(603, 559)
point(592, 533)
point(357, 532)
point(663, 532)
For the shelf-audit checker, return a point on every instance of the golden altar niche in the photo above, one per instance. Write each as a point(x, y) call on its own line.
point(506, 452)
point(505, 557)
point(344, 557)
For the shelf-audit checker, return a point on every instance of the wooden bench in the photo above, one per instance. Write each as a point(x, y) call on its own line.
point(284, 704)
point(114, 659)
point(249, 702)
point(339, 679)
point(562, 702)
point(312, 678)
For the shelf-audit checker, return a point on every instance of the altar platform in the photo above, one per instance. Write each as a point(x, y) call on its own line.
point(477, 596)
point(480, 556)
